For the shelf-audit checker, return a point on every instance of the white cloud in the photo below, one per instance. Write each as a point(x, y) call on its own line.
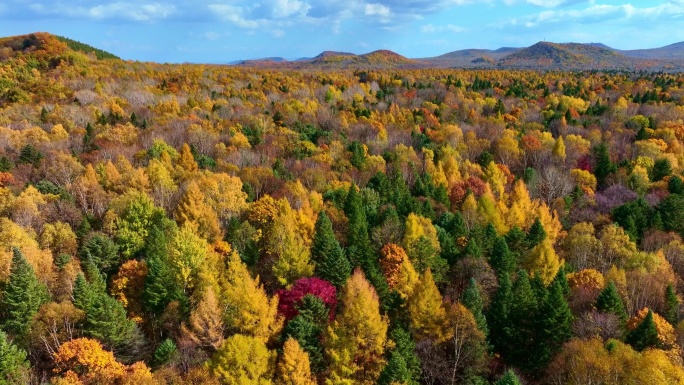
point(278, 33)
point(233, 14)
point(429, 28)
point(286, 8)
point(600, 13)
point(130, 11)
point(377, 9)
point(382, 12)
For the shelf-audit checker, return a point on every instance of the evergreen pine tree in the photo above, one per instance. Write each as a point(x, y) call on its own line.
point(488, 238)
point(671, 306)
point(562, 280)
point(555, 321)
point(509, 378)
point(473, 301)
point(645, 335)
point(522, 320)
point(609, 301)
point(307, 328)
point(536, 234)
point(604, 166)
point(331, 263)
point(499, 313)
point(502, 260)
point(403, 365)
point(14, 366)
point(105, 317)
point(515, 239)
point(22, 296)
point(675, 185)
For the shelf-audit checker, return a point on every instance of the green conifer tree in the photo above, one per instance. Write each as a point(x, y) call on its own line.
point(555, 322)
point(14, 366)
point(403, 365)
point(22, 297)
point(609, 301)
point(501, 259)
point(499, 313)
point(473, 301)
point(645, 335)
point(509, 378)
point(331, 263)
point(523, 318)
point(671, 306)
point(536, 234)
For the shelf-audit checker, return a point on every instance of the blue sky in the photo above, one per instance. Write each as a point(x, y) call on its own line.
point(220, 31)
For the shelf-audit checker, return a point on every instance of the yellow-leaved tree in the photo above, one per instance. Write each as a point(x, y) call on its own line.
point(294, 367)
point(192, 209)
point(427, 314)
point(355, 343)
point(243, 360)
point(249, 310)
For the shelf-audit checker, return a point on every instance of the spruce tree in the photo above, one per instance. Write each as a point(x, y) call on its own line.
point(536, 234)
point(562, 280)
point(498, 315)
point(645, 335)
point(609, 301)
point(105, 317)
point(22, 296)
point(671, 306)
point(509, 378)
point(502, 260)
point(523, 318)
point(555, 322)
point(473, 301)
point(604, 166)
point(403, 365)
point(14, 366)
point(331, 263)
point(488, 238)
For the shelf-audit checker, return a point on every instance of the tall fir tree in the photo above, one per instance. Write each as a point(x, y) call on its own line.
point(105, 317)
point(671, 306)
point(524, 310)
point(555, 322)
point(14, 367)
point(536, 234)
point(645, 335)
point(509, 378)
point(472, 299)
point(604, 166)
point(403, 365)
point(502, 259)
point(609, 301)
point(22, 296)
point(331, 263)
point(499, 313)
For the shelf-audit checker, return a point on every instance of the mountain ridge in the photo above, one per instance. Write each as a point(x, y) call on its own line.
point(539, 56)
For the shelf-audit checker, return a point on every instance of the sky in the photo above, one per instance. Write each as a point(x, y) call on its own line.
point(221, 31)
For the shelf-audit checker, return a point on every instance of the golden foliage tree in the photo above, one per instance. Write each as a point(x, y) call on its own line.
point(293, 367)
point(243, 360)
point(355, 343)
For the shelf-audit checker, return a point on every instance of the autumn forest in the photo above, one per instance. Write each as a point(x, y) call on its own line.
point(209, 224)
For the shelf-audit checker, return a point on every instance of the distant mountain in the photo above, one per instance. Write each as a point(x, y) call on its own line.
point(340, 60)
point(669, 52)
point(568, 56)
point(468, 58)
point(540, 56)
point(257, 61)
